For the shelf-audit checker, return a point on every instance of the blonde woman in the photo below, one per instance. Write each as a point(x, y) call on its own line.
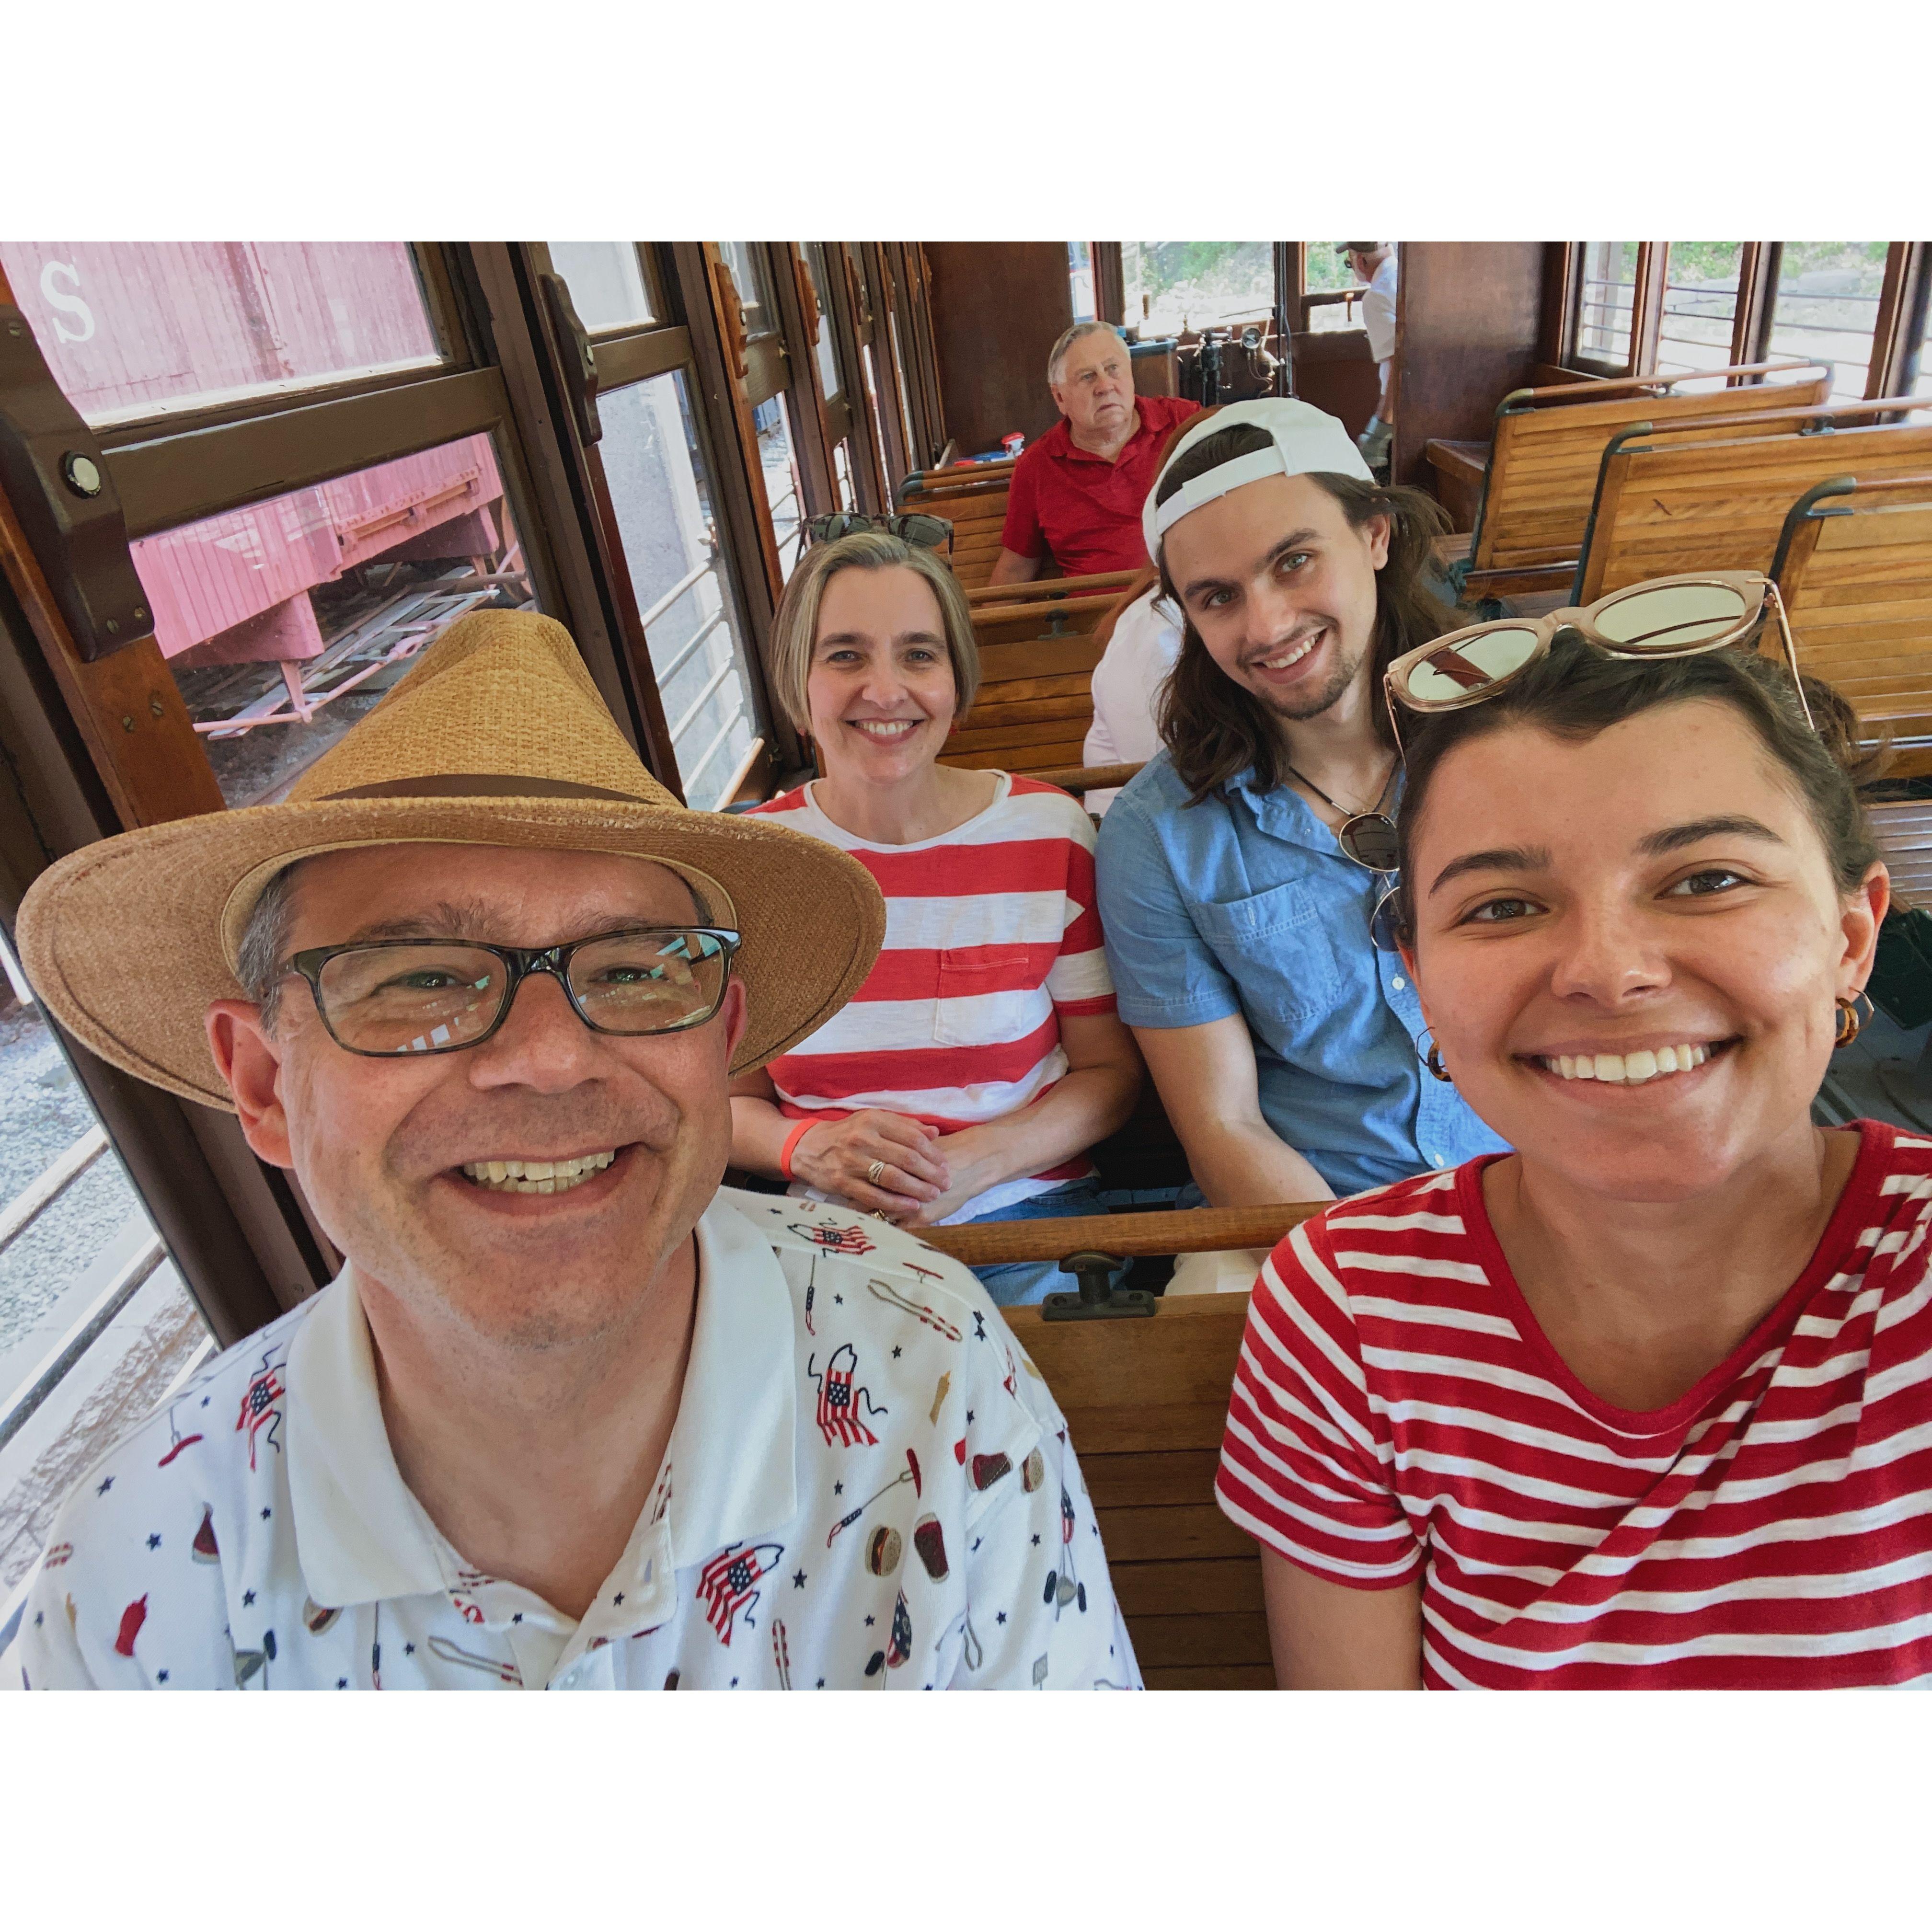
point(975, 1068)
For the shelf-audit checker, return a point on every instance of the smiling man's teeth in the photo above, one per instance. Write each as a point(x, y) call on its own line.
point(537, 1177)
point(1293, 657)
point(1628, 1069)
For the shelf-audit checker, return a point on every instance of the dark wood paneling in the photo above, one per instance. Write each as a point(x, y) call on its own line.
point(998, 307)
point(1467, 318)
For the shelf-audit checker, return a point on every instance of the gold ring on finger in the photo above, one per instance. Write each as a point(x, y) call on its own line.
point(872, 1173)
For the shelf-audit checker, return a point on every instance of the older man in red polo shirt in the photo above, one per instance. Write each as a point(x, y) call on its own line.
point(1077, 494)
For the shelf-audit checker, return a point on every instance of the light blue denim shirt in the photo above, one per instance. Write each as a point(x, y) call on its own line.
point(1244, 903)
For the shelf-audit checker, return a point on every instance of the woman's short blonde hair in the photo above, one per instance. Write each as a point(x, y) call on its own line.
point(795, 629)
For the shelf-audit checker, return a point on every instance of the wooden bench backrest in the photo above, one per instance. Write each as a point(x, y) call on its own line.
point(1903, 828)
point(1854, 565)
point(1549, 445)
point(1675, 502)
point(1145, 1400)
point(1035, 701)
point(1048, 607)
point(978, 516)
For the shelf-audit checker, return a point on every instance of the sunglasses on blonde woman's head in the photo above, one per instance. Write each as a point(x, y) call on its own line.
point(1665, 617)
point(928, 532)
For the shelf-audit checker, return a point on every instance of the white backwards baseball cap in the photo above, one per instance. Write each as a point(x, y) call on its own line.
point(1305, 438)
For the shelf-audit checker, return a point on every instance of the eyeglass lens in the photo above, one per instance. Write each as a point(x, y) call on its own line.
point(436, 996)
point(1678, 617)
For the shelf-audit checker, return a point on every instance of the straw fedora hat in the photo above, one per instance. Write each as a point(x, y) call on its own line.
point(498, 736)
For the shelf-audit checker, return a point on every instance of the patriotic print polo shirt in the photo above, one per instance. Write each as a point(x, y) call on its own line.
point(867, 1485)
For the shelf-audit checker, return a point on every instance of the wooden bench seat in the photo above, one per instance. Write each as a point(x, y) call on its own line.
point(1903, 829)
point(1854, 562)
point(1674, 499)
point(1538, 482)
point(974, 500)
point(1145, 1401)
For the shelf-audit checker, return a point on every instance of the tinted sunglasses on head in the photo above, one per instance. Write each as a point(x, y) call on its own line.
point(1665, 617)
point(928, 532)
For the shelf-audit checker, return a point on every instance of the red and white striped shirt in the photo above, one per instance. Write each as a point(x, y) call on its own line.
point(991, 937)
point(1398, 1413)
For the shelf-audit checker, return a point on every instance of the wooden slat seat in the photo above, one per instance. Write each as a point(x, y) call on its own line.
point(1854, 562)
point(1145, 1401)
point(1903, 829)
point(974, 500)
point(1035, 702)
point(1540, 476)
point(1671, 500)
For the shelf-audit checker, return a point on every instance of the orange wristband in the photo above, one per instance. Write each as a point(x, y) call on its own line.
point(792, 1139)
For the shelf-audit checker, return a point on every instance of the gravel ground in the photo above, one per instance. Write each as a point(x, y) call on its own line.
point(45, 1111)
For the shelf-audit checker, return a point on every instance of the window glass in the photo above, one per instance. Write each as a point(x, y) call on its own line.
point(842, 468)
point(1325, 271)
point(873, 413)
point(661, 492)
point(89, 1258)
point(608, 287)
point(1700, 305)
point(1921, 383)
point(747, 264)
point(1080, 279)
point(784, 494)
point(286, 622)
point(1827, 307)
point(1604, 302)
point(1196, 284)
point(913, 453)
point(829, 385)
point(136, 329)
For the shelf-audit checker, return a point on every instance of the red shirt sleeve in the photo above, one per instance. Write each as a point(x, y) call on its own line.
point(1022, 533)
point(1301, 1467)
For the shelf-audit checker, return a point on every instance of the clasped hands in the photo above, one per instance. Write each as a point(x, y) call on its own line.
point(892, 1165)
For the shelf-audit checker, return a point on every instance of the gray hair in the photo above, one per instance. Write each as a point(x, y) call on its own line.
point(1070, 337)
point(260, 959)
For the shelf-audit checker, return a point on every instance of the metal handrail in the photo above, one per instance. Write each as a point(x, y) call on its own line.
point(688, 649)
point(703, 698)
point(676, 591)
point(82, 1336)
point(50, 1184)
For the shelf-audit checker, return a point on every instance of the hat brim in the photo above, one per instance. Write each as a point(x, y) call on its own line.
point(123, 940)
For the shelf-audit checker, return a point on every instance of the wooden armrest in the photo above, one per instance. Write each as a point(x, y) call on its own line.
point(1186, 1231)
point(1467, 460)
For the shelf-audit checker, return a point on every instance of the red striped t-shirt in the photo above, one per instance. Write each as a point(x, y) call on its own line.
point(991, 937)
point(1397, 1413)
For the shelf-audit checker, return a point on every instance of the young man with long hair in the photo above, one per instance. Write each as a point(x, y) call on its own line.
point(1268, 1000)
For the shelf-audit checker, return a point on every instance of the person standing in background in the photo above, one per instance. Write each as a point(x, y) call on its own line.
point(1374, 262)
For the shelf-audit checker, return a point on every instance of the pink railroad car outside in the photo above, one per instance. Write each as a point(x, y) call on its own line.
point(139, 329)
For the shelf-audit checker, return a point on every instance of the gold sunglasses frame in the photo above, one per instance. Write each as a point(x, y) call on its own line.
point(1753, 586)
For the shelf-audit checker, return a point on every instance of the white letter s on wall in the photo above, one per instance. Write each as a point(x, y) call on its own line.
point(66, 303)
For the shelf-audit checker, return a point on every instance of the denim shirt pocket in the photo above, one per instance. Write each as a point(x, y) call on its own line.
point(1279, 950)
point(975, 973)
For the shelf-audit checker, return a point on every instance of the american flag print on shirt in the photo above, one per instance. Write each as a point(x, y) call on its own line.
point(992, 939)
point(1397, 1414)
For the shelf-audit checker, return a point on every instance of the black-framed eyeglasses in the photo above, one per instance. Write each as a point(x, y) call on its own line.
point(388, 996)
point(912, 527)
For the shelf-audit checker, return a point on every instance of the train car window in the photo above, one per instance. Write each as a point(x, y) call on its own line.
point(841, 470)
point(831, 385)
point(284, 622)
point(137, 330)
point(609, 284)
point(1827, 307)
point(660, 493)
point(746, 261)
point(96, 1327)
point(1700, 314)
point(1606, 300)
point(1326, 271)
point(1197, 285)
point(785, 488)
point(1080, 279)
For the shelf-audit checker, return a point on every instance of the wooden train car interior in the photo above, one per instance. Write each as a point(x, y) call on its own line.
point(242, 485)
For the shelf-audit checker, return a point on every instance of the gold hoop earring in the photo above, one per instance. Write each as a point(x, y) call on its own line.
point(1849, 1025)
point(1433, 1059)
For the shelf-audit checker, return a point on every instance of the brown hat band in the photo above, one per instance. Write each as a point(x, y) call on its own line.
point(479, 784)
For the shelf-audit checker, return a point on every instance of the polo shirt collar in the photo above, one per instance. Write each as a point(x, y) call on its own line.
point(729, 1473)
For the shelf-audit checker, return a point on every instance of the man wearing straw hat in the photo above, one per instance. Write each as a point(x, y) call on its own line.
point(571, 1415)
